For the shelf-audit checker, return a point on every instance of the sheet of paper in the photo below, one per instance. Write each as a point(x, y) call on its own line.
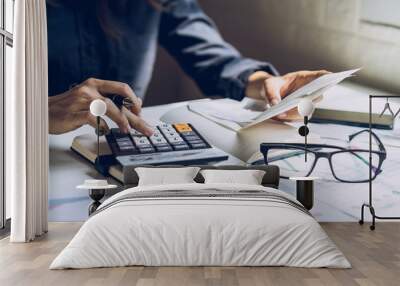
point(225, 112)
point(226, 109)
point(324, 81)
point(239, 115)
point(313, 89)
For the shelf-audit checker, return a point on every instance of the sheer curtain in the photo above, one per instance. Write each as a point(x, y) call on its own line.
point(27, 124)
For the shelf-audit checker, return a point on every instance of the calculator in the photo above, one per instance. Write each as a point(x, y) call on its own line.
point(171, 144)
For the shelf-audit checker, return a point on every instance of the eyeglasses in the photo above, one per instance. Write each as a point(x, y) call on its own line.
point(349, 165)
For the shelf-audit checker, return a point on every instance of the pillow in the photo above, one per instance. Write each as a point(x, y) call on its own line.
point(248, 177)
point(166, 176)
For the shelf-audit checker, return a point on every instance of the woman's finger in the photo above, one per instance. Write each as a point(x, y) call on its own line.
point(80, 118)
point(137, 123)
point(113, 112)
point(288, 84)
point(82, 96)
point(116, 115)
point(104, 129)
point(288, 116)
point(273, 88)
point(116, 87)
point(85, 117)
point(301, 78)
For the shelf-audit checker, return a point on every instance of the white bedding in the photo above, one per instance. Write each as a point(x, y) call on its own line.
point(188, 231)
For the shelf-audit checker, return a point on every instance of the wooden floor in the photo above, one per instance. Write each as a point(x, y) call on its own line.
point(375, 257)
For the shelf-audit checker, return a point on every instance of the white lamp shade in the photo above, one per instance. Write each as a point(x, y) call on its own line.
point(306, 107)
point(98, 107)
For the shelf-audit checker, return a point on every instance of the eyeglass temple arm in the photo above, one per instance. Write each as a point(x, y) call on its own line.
point(364, 161)
point(380, 144)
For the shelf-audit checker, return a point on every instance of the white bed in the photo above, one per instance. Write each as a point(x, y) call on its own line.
point(225, 225)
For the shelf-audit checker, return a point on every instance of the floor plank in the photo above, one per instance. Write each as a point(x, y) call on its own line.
point(375, 257)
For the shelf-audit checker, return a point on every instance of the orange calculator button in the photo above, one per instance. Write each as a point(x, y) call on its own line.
point(183, 127)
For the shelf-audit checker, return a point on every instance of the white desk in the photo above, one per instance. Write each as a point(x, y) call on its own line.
point(333, 201)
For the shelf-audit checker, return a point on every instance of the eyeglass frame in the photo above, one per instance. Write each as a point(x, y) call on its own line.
point(265, 147)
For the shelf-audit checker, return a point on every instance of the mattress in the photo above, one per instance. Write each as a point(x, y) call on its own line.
point(201, 225)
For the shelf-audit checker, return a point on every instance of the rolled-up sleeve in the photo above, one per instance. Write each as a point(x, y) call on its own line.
point(193, 40)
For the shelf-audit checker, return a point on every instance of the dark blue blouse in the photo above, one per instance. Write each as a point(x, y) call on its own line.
point(78, 48)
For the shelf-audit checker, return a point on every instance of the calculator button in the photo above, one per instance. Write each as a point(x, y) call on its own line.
point(168, 133)
point(190, 133)
point(175, 140)
point(141, 141)
point(156, 131)
point(183, 127)
point(171, 133)
point(164, 148)
point(146, 150)
point(156, 140)
point(129, 149)
point(164, 125)
point(123, 139)
point(192, 138)
point(168, 129)
point(115, 131)
point(180, 146)
point(124, 143)
point(196, 142)
point(198, 145)
point(135, 133)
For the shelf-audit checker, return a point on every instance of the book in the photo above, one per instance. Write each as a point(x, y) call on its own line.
point(85, 145)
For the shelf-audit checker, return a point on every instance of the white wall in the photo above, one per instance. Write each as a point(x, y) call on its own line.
point(300, 34)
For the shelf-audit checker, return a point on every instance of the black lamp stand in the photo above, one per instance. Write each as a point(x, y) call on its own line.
point(303, 131)
point(102, 163)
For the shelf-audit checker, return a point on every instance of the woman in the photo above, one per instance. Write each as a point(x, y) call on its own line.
point(100, 47)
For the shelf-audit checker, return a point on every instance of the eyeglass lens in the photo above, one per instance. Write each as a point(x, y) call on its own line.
point(353, 166)
point(291, 162)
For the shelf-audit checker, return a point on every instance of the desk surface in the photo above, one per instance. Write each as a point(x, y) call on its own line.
point(334, 201)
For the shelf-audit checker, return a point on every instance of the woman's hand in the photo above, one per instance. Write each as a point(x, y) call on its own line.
point(70, 110)
point(273, 88)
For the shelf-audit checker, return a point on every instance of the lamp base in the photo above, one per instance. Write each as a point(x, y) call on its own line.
point(96, 195)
